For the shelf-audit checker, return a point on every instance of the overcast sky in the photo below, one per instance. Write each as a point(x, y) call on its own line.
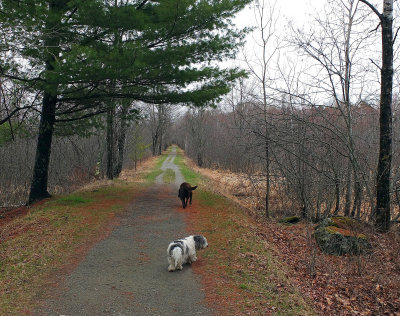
point(296, 11)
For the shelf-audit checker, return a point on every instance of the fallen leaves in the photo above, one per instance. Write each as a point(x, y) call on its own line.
point(358, 285)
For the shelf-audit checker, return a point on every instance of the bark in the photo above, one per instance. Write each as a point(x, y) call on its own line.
point(356, 211)
point(337, 195)
point(121, 141)
point(110, 142)
point(382, 216)
point(346, 99)
point(39, 182)
point(268, 180)
point(199, 159)
point(382, 208)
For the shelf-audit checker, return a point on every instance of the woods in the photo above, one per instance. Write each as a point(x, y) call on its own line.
point(81, 58)
point(316, 135)
point(304, 125)
point(70, 70)
point(291, 121)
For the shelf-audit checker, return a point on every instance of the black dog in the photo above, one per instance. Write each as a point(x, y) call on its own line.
point(185, 193)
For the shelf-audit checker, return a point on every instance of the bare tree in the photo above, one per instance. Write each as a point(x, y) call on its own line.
point(383, 207)
point(266, 19)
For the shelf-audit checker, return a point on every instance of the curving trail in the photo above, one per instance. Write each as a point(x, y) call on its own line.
point(126, 273)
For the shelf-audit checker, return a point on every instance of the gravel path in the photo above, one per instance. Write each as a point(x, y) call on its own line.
point(126, 274)
point(169, 164)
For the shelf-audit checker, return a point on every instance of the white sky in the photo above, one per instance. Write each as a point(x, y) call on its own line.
point(296, 11)
point(301, 14)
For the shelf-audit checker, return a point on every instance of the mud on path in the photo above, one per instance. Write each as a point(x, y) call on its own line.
point(126, 273)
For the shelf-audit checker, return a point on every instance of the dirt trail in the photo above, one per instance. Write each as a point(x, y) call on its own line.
point(169, 164)
point(126, 274)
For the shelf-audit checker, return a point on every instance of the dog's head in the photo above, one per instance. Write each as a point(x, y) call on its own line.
point(200, 242)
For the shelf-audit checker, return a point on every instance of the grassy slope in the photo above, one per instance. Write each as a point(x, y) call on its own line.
point(35, 246)
point(238, 268)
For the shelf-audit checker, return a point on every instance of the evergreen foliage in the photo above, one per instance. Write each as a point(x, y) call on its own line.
point(82, 56)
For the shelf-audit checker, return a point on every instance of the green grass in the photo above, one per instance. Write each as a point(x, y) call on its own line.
point(190, 176)
point(74, 200)
point(169, 176)
point(150, 177)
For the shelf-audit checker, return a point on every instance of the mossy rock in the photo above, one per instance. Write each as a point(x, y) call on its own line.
point(343, 222)
point(335, 237)
point(290, 220)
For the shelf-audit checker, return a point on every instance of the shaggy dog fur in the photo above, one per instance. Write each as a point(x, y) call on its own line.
point(185, 193)
point(184, 251)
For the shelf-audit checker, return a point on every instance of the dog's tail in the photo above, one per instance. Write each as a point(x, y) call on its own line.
point(193, 188)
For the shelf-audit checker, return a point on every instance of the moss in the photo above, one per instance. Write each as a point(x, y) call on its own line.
point(338, 241)
point(290, 220)
point(344, 232)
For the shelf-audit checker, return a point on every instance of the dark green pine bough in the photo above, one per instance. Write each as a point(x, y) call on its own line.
point(83, 55)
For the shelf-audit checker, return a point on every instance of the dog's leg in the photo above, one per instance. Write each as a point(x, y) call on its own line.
point(185, 199)
point(179, 264)
point(190, 196)
point(171, 266)
point(192, 257)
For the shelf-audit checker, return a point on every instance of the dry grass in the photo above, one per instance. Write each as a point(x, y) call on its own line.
point(349, 285)
point(239, 187)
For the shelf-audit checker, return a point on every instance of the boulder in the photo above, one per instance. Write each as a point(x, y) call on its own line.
point(290, 220)
point(338, 236)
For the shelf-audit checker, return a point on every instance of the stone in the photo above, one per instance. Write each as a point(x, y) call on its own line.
point(338, 236)
point(290, 220)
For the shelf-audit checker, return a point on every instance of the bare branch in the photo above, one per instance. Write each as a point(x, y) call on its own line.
point(380, 15)
point(375, 64)
point(395, 36)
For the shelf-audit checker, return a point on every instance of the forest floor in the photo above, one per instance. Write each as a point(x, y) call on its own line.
point(103, 248)
point(366, 284)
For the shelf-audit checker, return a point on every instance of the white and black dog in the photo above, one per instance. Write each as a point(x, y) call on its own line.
point(184, 251)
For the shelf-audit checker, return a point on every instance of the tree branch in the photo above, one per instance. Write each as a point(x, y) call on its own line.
point(141, 5)
point(380, 15)
point(395, 36)
point(375, 64)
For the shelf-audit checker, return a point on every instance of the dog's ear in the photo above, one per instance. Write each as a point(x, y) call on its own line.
point(200, 241)
point(193, 188)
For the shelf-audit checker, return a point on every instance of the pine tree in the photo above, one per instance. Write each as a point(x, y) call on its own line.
point(66, 50)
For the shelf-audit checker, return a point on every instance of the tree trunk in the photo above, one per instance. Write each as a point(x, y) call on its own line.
point(199, 159)
point(382, 210)
point(154, 138)
point(348, 118)
point(160, 143)
point(39, 182)
point(38, 189)
point(356, 211)
point(268, 180)
point(121, 141)
point(110, 142)
point(337, 195)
